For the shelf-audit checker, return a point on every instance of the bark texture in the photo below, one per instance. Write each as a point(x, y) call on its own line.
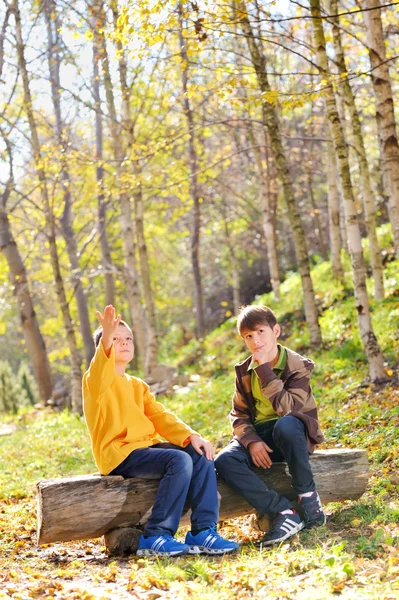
point(370, 344)
point(84, 507)
point(387, 132)
point(333, 215)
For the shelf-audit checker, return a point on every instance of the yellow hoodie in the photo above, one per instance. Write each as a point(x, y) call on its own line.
point(122, 414)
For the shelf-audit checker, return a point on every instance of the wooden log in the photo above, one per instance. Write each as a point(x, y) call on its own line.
point(90, 506)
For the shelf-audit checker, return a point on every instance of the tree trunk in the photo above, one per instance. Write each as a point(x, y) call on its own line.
point(194, 188)
point(88, 506)
point(19, 280)
point(372, 349)
point(268, 220)
point(333, 214)
point(387, 134)
point(151, 357)
point(271, 120)
point(127, 223)
point(234, 265)
point(368, 199)
point(101, 203)
point(67, 217)
point(76, 396)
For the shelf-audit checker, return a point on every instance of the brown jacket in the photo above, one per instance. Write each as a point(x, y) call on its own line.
point(291, 394)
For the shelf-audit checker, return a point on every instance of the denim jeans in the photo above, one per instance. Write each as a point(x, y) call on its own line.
point(287, 438)
point(184, 476)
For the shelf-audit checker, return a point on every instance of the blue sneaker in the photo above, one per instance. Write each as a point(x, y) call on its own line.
point(283, 527)
point(160, 544)
point(209, 542)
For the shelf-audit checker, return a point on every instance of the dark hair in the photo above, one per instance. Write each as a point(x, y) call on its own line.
point(251, 316)
point(98, 334)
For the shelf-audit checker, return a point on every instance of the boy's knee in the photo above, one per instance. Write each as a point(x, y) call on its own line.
point(223, 461)
point(181, 463)
point(287, 428)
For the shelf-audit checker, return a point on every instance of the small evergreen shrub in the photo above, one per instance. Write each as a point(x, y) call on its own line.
point(12, 395)
point(28, 383)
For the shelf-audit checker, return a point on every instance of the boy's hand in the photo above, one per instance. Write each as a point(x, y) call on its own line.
point(259, 452)
point(201, 446)
point(263, 356)
point(109, 324)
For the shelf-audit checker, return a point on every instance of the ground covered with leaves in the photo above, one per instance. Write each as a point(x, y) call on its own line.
point(355, 556)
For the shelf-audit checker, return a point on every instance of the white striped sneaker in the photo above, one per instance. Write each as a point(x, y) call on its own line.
point(160, 544)
point(283, 527)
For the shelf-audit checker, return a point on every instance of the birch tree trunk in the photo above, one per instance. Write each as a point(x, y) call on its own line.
point(66, 221)
point(372, 349)
point(194, 187)
point(268, 220)
point(76, 397)
point(271, 120)
point(333, 215)
point(127, 223)
point(368, 199)
point(19, 280)
point(101, 202)
point(387, 133)
point(151, 357)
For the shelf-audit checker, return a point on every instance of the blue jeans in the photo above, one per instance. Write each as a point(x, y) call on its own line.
point(287, 438)
point(185, 476)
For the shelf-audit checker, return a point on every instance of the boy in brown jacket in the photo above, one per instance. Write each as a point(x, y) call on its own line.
point(274, 418)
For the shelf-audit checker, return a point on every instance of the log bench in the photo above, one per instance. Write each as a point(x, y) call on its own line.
point(89, 506)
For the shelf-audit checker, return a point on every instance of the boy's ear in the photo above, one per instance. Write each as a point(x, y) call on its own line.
point(277, 330)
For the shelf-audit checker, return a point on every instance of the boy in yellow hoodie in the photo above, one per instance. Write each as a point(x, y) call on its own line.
point(124, 421)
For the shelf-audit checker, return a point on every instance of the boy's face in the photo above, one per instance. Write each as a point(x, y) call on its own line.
point(262, 341)
point(123, 345)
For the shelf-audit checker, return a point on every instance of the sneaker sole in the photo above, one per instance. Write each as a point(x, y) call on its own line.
point(299, 527)
point(204, 550)
point(147, 552)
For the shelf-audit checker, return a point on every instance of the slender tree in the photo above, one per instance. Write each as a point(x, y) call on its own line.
point(386, 125)
point(126, 218)
point(19, 280)
point(49, 215)
point(367, 196)
point(271, 121)
point(102, 204)
point(194, 185)
point(333, 215)
point(372, 349)
point(54, 63)
point(127, 123)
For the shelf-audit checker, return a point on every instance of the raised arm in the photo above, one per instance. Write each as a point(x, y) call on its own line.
point(109, 323)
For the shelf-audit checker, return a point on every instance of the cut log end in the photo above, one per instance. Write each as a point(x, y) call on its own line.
point(122, 541)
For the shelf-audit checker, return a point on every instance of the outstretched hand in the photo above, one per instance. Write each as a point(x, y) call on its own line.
point(109, 323)
point(201, 446)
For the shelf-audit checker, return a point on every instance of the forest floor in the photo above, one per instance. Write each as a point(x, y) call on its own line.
point(354, 556)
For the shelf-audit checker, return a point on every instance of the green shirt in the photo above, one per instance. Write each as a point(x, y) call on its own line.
point(263, 406)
